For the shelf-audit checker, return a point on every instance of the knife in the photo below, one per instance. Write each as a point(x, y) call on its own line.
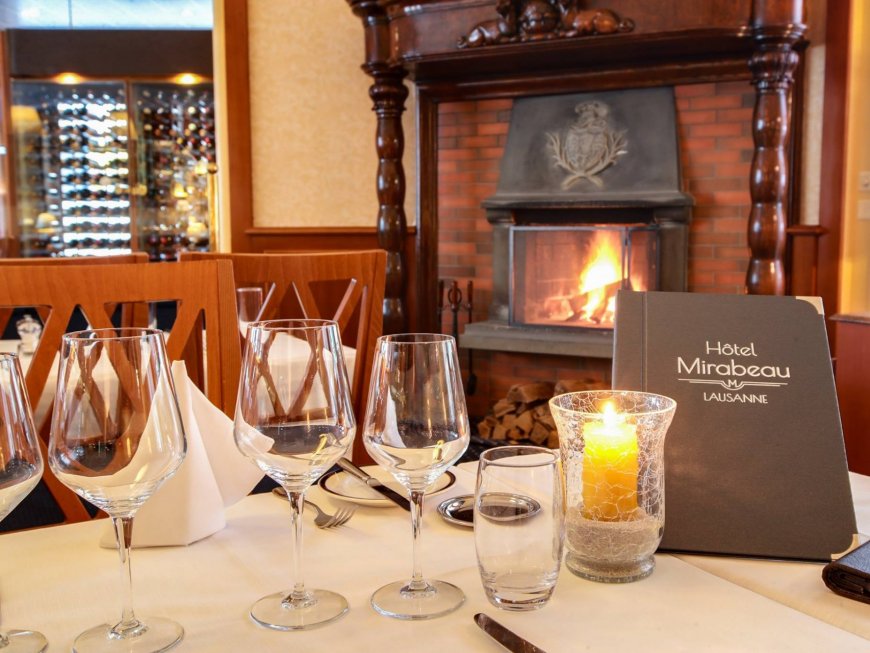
point(374, 484)
point(510, 640)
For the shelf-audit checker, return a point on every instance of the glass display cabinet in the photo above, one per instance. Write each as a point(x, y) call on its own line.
point(110, 167)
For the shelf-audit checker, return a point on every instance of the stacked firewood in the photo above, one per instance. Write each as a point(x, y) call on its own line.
point(524, 414)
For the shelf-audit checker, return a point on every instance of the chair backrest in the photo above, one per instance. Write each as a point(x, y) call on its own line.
point(346, 286)
point(205, 297)
point(134, 257)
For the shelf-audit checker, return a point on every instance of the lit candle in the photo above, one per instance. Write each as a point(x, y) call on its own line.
point(610, 468)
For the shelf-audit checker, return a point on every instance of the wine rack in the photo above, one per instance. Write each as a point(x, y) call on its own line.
point(98, 175)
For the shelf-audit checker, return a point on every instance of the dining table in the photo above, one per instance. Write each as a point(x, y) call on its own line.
point(58, 580)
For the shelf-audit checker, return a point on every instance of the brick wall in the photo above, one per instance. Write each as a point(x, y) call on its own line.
point(714, 123)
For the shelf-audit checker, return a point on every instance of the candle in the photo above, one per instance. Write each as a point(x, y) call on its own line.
point(610, 468)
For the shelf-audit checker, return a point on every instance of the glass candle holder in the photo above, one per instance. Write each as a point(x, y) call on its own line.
point(612, 447)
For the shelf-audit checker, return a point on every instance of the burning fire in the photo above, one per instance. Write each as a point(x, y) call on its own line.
point(600, 280)
point(593, 300)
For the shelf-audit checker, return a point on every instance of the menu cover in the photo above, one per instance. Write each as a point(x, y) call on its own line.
point(755, 463)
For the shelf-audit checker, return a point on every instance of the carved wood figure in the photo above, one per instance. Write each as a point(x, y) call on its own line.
point(536, 20)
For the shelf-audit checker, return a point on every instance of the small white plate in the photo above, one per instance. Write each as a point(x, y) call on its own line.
point(346, 487)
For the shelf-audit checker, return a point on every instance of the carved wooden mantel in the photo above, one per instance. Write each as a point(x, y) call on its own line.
point(475, 49)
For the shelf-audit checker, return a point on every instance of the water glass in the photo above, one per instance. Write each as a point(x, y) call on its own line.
point(518, 525)
point(249, 303)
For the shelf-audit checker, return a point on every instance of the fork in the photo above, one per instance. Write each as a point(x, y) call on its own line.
point(325, 520)
point(322, 519)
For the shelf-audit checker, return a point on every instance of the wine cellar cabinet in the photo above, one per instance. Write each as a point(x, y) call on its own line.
point(109, 160)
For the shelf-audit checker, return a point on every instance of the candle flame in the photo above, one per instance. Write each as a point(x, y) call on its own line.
point(609, 415)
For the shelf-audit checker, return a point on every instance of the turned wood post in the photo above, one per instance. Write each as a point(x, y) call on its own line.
point(777, 27)
point(388, 93)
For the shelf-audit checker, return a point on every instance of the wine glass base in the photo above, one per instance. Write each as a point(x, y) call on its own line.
point(23, 641)
point(320, 607)
point(155, 636)
point(399, 601)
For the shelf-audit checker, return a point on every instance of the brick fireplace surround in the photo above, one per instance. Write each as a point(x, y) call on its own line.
point(715, 130)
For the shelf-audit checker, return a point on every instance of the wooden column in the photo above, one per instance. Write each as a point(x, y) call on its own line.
point(777, 27)
point(388, 92)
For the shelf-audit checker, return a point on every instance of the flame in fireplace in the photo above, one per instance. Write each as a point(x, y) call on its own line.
point(600, 280)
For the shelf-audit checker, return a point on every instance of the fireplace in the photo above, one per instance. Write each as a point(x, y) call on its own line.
point(589, 200)
point(594, 262)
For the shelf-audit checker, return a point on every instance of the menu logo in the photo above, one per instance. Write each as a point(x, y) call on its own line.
point(733, 374)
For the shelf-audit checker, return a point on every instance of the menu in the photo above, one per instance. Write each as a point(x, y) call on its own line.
point(754, 460)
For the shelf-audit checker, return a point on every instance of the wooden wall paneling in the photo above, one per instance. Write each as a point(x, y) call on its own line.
point(853, 361)
point(238, 158)
point(9, 245)
point(831, 184)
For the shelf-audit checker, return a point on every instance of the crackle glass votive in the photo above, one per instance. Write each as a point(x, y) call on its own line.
point(612, 448)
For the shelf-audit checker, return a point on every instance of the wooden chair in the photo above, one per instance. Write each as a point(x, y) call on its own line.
point(205, 297)
point(346, 286)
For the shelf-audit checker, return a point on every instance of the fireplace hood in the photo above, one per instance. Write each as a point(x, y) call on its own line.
point(614, 149)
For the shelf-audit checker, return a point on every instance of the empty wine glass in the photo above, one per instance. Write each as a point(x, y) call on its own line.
point(294, 419)
point(249, 302)
point(20, 470)
point(116, 436)
point(416, 426)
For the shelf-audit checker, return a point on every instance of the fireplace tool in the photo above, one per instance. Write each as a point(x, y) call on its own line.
point(455, 305)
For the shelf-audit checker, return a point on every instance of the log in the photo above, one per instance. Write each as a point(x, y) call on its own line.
point(578, 385)
point(525, 422)
point(503, 407)
point(527, 393)
point(539, 434)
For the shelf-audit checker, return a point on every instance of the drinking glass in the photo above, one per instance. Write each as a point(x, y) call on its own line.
point(416, 426)
point(294, 419)
point(518, 525)
point(116, 436)
point(20, 469)
point(249, 302)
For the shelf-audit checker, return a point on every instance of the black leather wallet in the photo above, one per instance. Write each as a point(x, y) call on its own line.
point(850, 575)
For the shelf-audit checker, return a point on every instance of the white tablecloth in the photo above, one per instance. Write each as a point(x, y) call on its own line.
point(58, 580)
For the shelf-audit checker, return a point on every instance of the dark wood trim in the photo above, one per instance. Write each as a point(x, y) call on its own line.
point(833, 163)
point(853, 359)
point(9, 230)
point(425, 318)
point(109, 53)
point(237, 160)
point(778, 29)
point(803, 258)
point(319, 239)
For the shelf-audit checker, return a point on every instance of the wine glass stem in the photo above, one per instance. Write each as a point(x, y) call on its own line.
point(124, 535)
point(417, 582)
point(297, 501)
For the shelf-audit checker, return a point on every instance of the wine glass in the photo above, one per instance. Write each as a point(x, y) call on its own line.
point(416, 426)
point(249, 302)
point(20, 469)
point(116, 436)
point(294, 419)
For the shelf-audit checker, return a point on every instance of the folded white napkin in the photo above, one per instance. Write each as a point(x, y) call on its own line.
point(214, 475)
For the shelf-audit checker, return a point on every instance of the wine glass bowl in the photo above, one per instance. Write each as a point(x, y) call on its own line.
point(416, 426)
point(294, 420)
point(20, 470)
point(116, 437)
